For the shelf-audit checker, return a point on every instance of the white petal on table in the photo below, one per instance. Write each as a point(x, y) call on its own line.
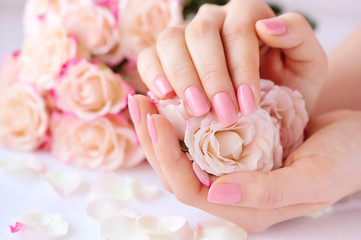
point(37, 225)
point(215, 230)
point(104, 208)
point(144, 192)
point(22, 164)
point(113, 187)
point(64, 183)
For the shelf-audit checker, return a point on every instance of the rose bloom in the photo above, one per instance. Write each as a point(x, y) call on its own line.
point(143, 20)
point(288, 107)
point(23, 118)
point(252, 143)
point(8, 70)
point(90, 90)
point(94, 26)
point(104, 144)
point(44, 53)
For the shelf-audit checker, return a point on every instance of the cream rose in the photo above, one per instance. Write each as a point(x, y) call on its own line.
point(104, 144)
point(288, 107)
point(8, 71)
point(252, 143)
point(93, 26)
point(90, 90)
point(44, 53)
point(143, 20)
point(23, 118)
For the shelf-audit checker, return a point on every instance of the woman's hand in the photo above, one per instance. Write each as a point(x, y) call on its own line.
point(323, 170)
point(215, 60)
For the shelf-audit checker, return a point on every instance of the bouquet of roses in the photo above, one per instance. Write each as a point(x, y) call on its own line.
point(66, 89)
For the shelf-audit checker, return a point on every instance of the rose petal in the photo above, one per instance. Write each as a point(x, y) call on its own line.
point(121, 227)
point(104, 208)
point(215, 230)
point(64, 183)
point(144, 192)
point(112, 186)
point(23, 164)
point(35, 226)
point(169, 227)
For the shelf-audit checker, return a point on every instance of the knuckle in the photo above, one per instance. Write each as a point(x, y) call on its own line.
point(298, 18)
point(180, 71)
point(210, 74)
point(198, 28)
point(270, 198)
point(207, 8)
point(236, 31)
point(169, 34)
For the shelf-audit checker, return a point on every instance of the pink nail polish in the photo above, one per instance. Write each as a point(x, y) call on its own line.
point(246, 100)
point(151, 128)
point(134, 109)
point(162, 85)
point(273, 26)
point(224, 193)
point(224, 107)
point(196, 101)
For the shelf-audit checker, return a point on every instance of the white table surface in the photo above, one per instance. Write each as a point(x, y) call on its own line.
point(19, 195)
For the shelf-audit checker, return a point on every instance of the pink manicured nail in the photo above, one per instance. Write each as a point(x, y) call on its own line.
point(246, 100)
point(134, 109)
point(273, 26)
point(224, 107)
point(224, 193)
point(196, 101)
point(162, 86)
point(151, 128)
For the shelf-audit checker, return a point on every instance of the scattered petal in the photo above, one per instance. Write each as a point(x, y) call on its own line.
point(35, 226)
point(144, 192)
point(121, 227)
point(64, 183)
point(23, 164)
point(104, 208)
point(169, 227)
point(320, 213)
point(111, 186)
point(215, 230)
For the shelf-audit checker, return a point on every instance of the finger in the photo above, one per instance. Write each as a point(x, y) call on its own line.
point(300, 52)
point(179, 69)
point(282, 187)
point(152, 74)
point(139, 107)
point(242, 50)
point(206, 49)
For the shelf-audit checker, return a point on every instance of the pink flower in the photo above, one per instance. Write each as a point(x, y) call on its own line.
point(23, 118)
point(8, 71)
point(288, 107)
point(90, 90)
point(93, 26)
point(252, 143)
point(104, 144)
point(143, 20)
point(45, 51)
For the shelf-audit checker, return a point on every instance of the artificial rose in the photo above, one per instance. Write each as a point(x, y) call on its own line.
point(90, 90)
point(92, 25)
point(288, 107)
point(104, 144)
point(143, 20)
point(44, 53)
point(252, 143)
point(8, 71)
point(23, 118)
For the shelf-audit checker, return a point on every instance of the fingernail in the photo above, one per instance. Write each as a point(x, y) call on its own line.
point(162, 86)
point(224, 107)
point(246, 100)
point(202, 175)
point(224, 193)
point(134, 109)
point(151, 128)
point(273, 26)
point(196, 101)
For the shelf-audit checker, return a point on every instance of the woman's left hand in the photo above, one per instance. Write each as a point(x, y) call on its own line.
point(323, 170)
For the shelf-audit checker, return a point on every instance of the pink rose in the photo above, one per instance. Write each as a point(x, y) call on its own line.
point(143, 20)
point(104, 144)
point(8, 71)
point(90, 90)
point(23, 118)
point(252, 143)
point(45, 51)
point(130, 74)
point(93, 26)
point(288, 107)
